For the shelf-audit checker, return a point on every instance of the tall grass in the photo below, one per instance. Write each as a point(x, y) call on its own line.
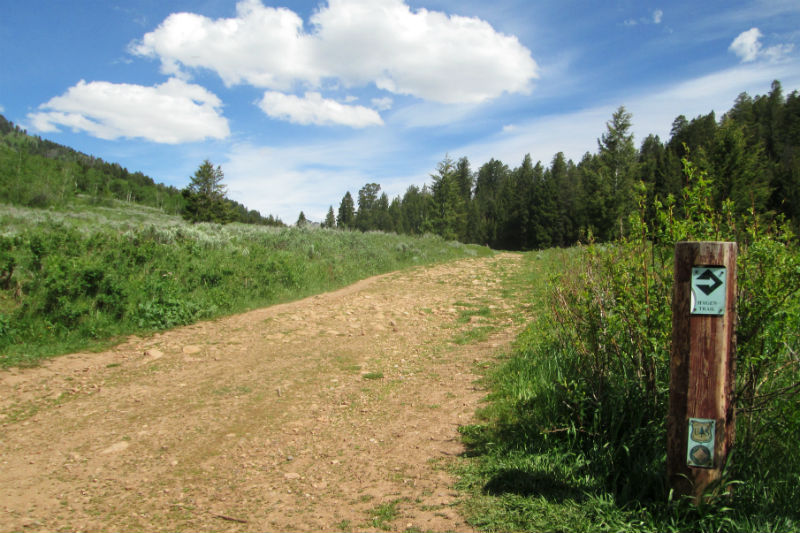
point(68, 280)
point(574, 436)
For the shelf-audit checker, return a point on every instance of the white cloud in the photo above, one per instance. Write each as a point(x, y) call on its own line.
point(262, 46)
point(422, 53)
point(173, 112)
point(658, 16)
point(314, 109)
point(747, 45)
point(778, 52)
point(382, 104)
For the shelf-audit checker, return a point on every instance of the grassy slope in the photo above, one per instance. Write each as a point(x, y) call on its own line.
point(84, 277)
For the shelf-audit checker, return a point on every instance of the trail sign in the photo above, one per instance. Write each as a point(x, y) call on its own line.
point(708, 290)
point(701, 440)
point(701, 418)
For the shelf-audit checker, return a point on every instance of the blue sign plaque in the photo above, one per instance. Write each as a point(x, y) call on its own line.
point(708, 290)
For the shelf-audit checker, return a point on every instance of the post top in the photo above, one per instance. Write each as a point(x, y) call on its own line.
point(706, 242)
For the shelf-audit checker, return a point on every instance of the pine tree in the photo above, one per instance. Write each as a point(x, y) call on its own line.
point(741, 172)
point(347, 212)
point(617, 164)
point(205, 196)
point(366, 216)
point(417, 208)
point(488, 185)
point(450, 218)
point(330, 219)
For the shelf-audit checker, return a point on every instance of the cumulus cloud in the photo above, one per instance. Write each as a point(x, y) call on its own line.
point(747, 45)
point(173, 112)
point(427, 54)
point(314, 109)
point(262, 46)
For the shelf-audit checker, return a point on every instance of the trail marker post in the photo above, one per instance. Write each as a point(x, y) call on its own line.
point(700, 421)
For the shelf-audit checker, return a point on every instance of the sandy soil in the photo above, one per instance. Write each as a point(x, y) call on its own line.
point(335, 413)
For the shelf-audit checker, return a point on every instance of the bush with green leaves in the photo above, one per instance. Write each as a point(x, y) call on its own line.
point(616, 319)
point(591, 377)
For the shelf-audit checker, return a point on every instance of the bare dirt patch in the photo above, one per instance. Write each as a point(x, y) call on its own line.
point(334, 413)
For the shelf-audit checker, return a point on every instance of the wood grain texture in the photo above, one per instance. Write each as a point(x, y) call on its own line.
point(701, 367)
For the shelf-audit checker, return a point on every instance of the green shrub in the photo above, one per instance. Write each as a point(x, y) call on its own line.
point(592, 377)
point(69, 278)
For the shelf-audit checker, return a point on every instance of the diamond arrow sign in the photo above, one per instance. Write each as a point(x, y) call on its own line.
point(715, 282)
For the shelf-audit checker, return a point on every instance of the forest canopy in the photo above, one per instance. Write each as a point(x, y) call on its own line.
point(753, 151)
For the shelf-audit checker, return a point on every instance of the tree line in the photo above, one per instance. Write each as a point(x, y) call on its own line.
point(753, 151)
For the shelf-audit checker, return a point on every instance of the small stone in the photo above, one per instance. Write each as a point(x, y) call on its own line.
point(116, 447)
point(191, 349)
point(152, 353)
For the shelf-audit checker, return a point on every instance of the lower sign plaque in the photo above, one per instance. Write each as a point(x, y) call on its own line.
point(700, 446)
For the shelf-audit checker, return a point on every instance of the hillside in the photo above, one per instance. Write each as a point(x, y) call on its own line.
point(72, 278)
point(36, 172)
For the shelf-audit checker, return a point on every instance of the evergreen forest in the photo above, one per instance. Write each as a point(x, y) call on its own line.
point(753, 150)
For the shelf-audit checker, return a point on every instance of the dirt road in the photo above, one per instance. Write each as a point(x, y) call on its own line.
point(334, 413)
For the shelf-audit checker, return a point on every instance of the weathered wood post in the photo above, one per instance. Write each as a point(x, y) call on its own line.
point(700, 422)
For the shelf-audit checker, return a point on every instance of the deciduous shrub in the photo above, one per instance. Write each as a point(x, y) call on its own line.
point(592, 377)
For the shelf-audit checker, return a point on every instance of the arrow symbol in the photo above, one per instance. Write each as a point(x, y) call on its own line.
point(715, 282)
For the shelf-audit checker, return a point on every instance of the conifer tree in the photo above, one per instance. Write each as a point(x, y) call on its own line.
point(616, 164)
point(205, 196)
point(347, 212)
point(450, 218)
point(330, 219)
point(366, 216)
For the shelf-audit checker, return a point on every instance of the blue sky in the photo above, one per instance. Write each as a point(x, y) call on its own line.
point(301, 101)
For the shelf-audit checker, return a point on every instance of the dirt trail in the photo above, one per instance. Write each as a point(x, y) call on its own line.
point(334, 413)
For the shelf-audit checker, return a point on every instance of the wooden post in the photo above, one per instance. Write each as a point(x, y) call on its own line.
point(700, 422)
